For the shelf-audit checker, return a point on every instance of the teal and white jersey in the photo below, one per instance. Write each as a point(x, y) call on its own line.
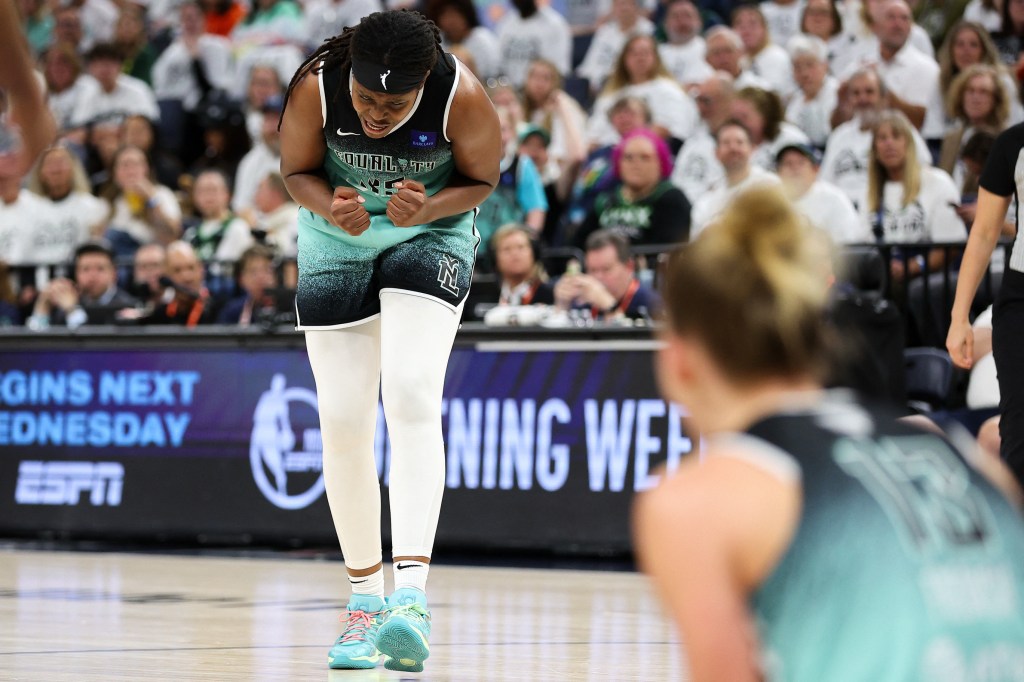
point(418, 148)
point(906, 564)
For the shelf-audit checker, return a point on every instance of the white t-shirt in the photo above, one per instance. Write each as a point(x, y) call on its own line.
point(686, 62)
point(236, 239)
point(19, 221)
point(783, 20)
point(282, 228)
point(813, 116)
point(65, 104)
point(697, 169)
point(140, 230)
point(71, 223)
point(774, 65)
point(989, 18)
point(172, 73)
point(130, 97)
point(259, 162)
point(605, 48)
point(99, 17)
point(325, 19)
point(930, 217)
point(828, 209)
point(670, 107)
point(545, 34)
point(749, 79)
point(482, 43)
point(845, 163)
point(709, 205)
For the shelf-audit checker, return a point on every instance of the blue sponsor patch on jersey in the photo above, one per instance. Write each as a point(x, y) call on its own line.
point(423, 140)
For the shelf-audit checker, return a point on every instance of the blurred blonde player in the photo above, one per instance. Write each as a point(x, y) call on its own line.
point(817, 539)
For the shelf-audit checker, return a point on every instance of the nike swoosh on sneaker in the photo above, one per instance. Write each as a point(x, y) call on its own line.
point(342, 133)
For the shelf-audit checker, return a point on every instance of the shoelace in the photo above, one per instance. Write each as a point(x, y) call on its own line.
point(407, 609)
point(356, 625)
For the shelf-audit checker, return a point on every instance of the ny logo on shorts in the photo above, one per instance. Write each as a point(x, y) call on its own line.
point(448, 274)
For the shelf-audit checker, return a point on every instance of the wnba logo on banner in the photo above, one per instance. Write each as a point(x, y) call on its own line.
point(287, 472)
point(58, 483)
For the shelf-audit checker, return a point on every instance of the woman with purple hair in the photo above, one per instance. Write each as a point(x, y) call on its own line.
point(644, 206)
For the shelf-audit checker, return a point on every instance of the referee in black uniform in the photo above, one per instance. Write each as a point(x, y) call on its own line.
point(1001, 181)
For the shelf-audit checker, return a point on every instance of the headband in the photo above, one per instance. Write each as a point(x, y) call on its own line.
point(389, 79)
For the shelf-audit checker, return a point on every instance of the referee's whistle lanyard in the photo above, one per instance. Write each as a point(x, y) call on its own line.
point(623, 305)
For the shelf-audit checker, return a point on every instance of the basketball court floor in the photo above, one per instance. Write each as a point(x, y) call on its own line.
point(91, 616)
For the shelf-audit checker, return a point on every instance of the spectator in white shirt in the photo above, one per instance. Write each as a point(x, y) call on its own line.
point(822, 20)
point(220, 235)
point(783, 18)
point(734, 150)
point(911, 78)
point(65, 83)
point(967, 44)
point(263, 158)
point(111, 92)
point(861, 20)
point(985, 13)
point(811, 107)
point(194, 63)
point(76, 216)
point(460, 27)
point(99, 17)
point(640, 73)
point(264, 84)
point(528, 32)
point(824, 205)
point(766, 59)
point(724, 52)
point(275, 219)
point(862, 99)
point(626, 20)
point(977, 102)
point(327, 18)
point(22, 215)
point(683, 51)
point(763, 115)
point(697, 168)
point(547, 105)
point(906, 201)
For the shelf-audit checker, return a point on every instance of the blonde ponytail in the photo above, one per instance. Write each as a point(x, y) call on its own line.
point(752, 287)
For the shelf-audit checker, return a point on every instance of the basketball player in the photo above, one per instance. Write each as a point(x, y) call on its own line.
point(388, 144)
point(817, 539)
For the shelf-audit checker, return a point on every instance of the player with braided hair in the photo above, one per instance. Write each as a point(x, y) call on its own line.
point(389, 144)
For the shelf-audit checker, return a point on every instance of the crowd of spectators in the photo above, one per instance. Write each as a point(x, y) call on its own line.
point(625, 124)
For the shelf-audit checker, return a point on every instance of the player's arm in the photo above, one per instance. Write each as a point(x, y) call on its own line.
point(707, 537)
point(28, 108)
point(303, 148)
point(476, 147)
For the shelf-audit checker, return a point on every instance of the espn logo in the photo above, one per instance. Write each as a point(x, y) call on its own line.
point(59, 483)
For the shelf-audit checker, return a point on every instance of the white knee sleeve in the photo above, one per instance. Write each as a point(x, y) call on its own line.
point(346, 366)
point(416, 340)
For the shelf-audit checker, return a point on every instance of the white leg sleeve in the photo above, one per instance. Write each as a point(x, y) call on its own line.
point(346, 366)
point(416, 340)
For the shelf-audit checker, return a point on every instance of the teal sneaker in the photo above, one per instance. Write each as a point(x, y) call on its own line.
point(402, 637)
point(357, 648)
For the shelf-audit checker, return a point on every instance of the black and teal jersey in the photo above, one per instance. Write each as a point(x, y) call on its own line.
point(905, 565)
point(417, 148)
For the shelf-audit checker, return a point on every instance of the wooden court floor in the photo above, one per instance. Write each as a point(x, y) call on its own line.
point(88, 616)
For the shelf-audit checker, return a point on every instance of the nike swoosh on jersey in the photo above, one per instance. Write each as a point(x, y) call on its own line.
point(342, 133)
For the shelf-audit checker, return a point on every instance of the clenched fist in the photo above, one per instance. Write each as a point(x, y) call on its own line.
point(407, 206)
point(348, 212)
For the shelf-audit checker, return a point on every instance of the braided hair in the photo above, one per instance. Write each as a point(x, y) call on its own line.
point(393, 37)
